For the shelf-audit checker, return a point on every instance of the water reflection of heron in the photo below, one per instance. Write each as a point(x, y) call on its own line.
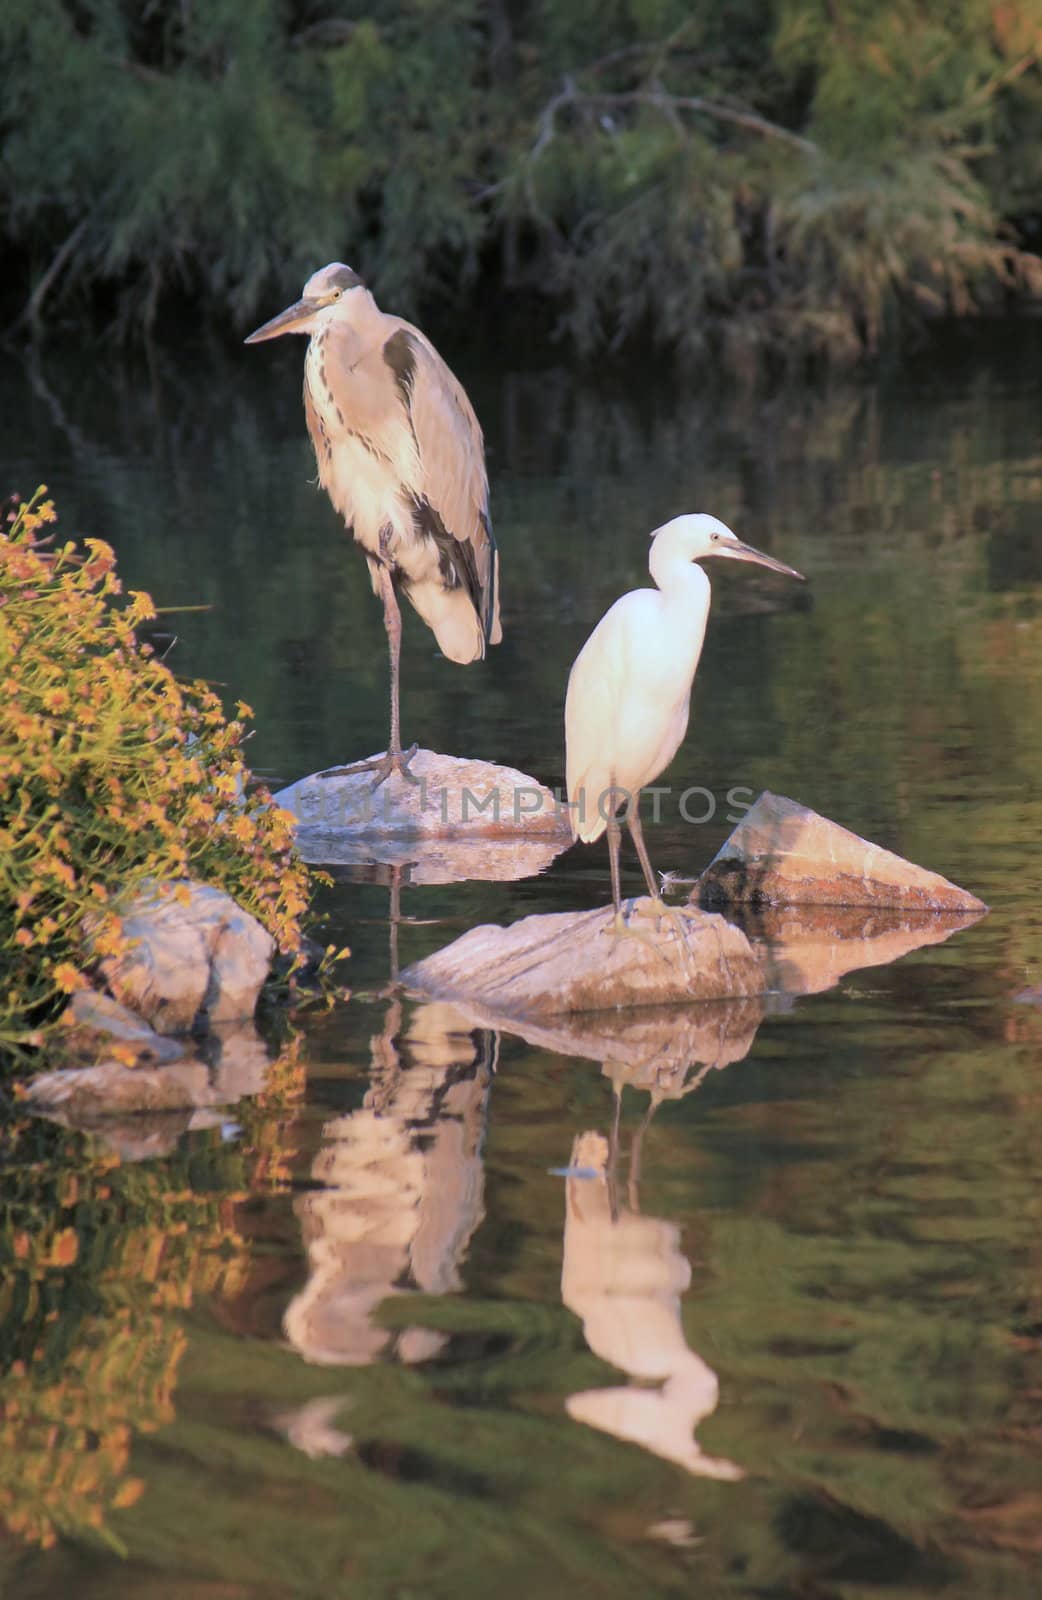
point(402, 1190)
point(401, 455)
point(629, 690)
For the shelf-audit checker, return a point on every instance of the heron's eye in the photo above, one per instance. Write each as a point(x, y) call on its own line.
point(336, 294)
point(715, 538)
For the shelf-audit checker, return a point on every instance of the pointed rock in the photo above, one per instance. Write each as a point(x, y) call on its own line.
point(783, 854)
point(573, 961)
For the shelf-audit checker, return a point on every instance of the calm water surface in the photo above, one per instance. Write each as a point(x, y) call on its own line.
point(420, 1319)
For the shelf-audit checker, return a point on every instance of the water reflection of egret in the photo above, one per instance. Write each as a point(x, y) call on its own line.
point(623, 1274)
point(629, 691)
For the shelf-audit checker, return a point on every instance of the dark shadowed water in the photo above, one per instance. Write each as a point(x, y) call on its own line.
point(417, 1321)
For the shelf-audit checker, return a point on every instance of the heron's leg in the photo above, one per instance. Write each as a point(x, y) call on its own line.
point(393, 627)
point(396, 759)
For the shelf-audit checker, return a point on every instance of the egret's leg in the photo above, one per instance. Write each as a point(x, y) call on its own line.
point(396, 759)
point(619, 926)
point(676, 914)
point(633, 818)
point(614, 842)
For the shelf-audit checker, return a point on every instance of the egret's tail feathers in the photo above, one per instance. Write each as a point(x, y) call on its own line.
point(450, 615)
point(584, 814)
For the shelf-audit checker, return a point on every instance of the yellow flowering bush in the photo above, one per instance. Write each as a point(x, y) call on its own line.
point(111, 772)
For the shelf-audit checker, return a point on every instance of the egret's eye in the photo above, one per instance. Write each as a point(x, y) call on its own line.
point(336, 294)
point(714, 538)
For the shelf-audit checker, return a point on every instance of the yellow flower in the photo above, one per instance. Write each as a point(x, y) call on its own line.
point(141, 608)
point(68, 978)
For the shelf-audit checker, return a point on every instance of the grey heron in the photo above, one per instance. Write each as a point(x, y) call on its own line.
point(629, 690)
point(401, 455)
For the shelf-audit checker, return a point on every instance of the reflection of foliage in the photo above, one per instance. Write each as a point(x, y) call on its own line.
point(113, 773)
point(98, 1263)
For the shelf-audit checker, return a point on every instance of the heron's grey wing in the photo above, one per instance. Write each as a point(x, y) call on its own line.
point(452, 461)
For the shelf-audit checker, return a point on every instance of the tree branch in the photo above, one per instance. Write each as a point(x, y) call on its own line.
point(30, 312)
point(669, 105)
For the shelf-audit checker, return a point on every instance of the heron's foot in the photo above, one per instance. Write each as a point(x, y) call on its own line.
point(383, 766)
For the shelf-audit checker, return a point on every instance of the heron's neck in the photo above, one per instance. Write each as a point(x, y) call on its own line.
point(356, 331)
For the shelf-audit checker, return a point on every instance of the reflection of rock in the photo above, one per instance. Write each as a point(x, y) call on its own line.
point(207, 954)
point(652, 1048)
point(573, 961)
point(783, 854)
point(623, 1274)
point(437, 860)
point(454, 797)
point(403, 1193)
point(806, 949)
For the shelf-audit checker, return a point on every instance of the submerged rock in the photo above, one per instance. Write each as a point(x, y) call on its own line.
point(229, 1064)
point(783, 854)
point(200, 954)
point(454, 797)
point(86, 1095)
point(574, 961)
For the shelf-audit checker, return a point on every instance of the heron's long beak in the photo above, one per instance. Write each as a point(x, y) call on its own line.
point(747, 552)
point(293, 320)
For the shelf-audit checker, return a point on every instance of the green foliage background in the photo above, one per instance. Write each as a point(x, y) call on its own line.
point(802, 177)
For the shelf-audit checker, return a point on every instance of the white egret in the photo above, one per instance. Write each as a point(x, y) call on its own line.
point(629, 690)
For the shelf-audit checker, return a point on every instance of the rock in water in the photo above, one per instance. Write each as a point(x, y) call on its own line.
point(204, 954)
point(783, 854)
point(454, 797)
point(571, 961)
point(94, 1022)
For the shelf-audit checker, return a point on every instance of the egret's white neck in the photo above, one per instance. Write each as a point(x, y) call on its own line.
point(679, 578)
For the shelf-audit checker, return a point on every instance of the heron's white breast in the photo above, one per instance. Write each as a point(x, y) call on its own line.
point(365, 461)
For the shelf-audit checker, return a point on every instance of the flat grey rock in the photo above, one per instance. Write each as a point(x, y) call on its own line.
point(546, 966)
point(454, 798)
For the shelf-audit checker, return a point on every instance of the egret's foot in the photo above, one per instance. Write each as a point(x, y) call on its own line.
point(383, 766)
point(620, 928)
point(674, 915)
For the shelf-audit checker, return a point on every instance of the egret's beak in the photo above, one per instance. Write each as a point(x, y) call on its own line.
point(747, 552)
point(293, 320)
